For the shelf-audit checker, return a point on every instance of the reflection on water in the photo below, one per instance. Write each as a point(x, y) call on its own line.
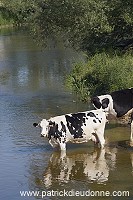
point(92, 167)
point(32, 87)
point(84, 168)
point(132, 161)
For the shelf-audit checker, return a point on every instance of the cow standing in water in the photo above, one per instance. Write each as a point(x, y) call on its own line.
point(76, 128)
point(118, 104)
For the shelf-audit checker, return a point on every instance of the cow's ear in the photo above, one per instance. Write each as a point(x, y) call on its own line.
point(96, 102)
point(51, 124)
point(105, 103)
point(35, 124)
point(63, 127)
point(53, 128)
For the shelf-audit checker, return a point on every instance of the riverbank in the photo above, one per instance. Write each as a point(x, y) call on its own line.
point(6, 26)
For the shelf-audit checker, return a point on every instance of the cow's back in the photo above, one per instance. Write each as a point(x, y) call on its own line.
point(122, 101)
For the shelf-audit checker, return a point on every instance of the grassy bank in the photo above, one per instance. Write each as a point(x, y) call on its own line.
point(101, 74)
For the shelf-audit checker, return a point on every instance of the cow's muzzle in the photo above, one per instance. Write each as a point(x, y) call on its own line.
point(42, 135)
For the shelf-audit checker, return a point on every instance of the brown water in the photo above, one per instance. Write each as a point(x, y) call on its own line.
point(32, 87)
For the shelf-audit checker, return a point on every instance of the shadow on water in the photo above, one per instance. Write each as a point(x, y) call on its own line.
point(125, 144)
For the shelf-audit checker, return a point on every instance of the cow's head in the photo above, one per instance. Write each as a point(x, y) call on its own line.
point(44, 124)
point(103, 102)
point(48, 128)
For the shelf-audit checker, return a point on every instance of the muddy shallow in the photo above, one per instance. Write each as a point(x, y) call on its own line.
point(32, 87)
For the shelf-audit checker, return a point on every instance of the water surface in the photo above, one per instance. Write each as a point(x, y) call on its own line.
point(31, 88)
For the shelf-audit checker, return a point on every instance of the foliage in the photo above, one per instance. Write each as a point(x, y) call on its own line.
point(88, 24)
point(5, 17)
point(103, 73)
point(20, 10)
point(91, 25)
point(76, 80)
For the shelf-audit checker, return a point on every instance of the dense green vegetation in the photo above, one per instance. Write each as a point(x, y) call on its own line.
point(102, 73)
point(90, 25)
point(5, 17)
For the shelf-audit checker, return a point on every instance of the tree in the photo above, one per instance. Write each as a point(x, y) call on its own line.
point(88, 24)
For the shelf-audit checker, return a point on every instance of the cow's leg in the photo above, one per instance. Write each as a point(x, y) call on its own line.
point(62, 142)
point(102, 141)
point(94, 138)
point(131, 136)
point(63, 155)
point(62, 146)
point(100, 135)
point(131, 156)
point(53, 143)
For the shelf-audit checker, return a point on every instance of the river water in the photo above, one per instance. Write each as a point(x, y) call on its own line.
point(32, 88)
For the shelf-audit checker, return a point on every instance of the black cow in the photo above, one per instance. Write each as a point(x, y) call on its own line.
point(118, 103)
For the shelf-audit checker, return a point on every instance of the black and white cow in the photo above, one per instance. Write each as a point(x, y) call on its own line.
point(76, 128)
point(118, 103)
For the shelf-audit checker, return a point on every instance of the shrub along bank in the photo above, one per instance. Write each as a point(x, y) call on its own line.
point(101, 74)
point(6, 18)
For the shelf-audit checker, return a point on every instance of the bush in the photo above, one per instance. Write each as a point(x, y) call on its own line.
point(76, 80)
point(5, 18)
point(103, 73)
